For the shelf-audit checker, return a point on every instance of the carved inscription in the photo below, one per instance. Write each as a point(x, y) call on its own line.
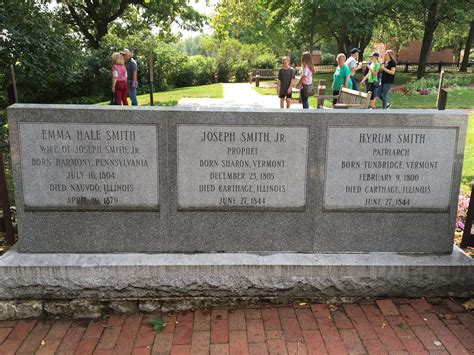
point(89, 166)
point(389, 168)
point(238, 167)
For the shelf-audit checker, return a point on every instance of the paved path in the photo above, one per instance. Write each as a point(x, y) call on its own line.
point(391, 326)
point(239, 95)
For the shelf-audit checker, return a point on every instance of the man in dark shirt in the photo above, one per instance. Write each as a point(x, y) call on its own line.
point(286, 78)
point(132, 81)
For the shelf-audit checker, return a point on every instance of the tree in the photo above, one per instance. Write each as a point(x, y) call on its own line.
point(250, 22)
point(428, 15)
point(467, 48)
point(350, 23)
point(436, 12)
point(395, 33)
point(190, 45)
point(431, 9)
point(47, 58)
point(451, 37)
point(93, 18)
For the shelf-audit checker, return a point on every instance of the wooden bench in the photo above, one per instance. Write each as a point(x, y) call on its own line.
point(321, 92)
point(259, 74)
point(347, 98)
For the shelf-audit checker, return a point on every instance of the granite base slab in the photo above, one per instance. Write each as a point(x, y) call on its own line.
point(221, 275)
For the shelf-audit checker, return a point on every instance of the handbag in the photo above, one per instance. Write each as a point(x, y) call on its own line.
point(308, 90)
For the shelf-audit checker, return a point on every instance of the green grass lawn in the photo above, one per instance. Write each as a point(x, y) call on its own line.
point(172, 97)
point(468, 165)
point(458, 97)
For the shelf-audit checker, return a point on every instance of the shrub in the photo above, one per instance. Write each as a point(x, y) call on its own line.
point(204, 69)
point(432, 82)
point(423, 83)
point(223, 72)
point(183, 75)
point(168, 67)
point(265, 61)
point(457, 80)
point(328, 58)
point(240, 70)
point(196, 70)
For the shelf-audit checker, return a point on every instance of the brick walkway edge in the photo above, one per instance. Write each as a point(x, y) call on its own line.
point(388, 326)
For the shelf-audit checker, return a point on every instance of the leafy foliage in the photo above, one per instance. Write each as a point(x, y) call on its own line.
point(203, 69)
point(350, 23)
point(432, 82)
point(157, 323)
point(249, 21)
point(241, 69)
point(93, 18)
point(265, 61)
point(47, 59)
point(328, 58)
point(232, 58)
point(427, 16)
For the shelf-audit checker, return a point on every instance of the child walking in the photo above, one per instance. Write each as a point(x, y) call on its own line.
point(372, 77)
point(286, 79)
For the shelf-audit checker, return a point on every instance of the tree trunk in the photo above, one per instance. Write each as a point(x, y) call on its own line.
point(363, 43)
point(430, 27)
point(311, 31)
point(339, 46)
point(467, 49)
point(457, 57)
point(93, 43)
point(102, 29)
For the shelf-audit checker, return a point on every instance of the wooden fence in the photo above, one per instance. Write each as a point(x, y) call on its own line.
point(402, 67)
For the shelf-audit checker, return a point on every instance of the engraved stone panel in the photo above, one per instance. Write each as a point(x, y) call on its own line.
point(89, 166)
point(236, 167)
point(389, 168)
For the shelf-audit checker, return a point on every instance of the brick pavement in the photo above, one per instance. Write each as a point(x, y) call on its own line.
point(388, 326)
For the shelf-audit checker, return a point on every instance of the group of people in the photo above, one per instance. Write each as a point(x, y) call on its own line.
point(378, 77)
point(124, 78)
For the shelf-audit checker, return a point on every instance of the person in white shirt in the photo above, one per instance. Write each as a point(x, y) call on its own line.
point(354, 65)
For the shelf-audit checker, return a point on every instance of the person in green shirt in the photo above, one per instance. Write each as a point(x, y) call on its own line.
point(341, 77)
point(372, 77)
